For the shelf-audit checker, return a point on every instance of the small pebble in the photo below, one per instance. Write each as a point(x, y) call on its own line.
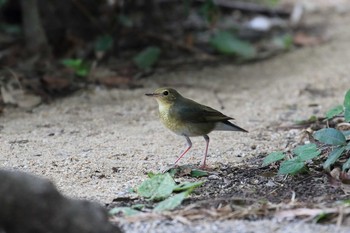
point(270, 183)
point(214, 177)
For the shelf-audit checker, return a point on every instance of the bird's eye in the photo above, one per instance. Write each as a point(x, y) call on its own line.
point(165, 92)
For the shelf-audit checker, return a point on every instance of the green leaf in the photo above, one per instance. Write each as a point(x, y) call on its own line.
point(272, 3)
point(138, 206)
point(347, 99)
point(78, 65)
point(104, 43)
point(292, 166)
point(347, 114)
point(83, 72)
point(158, 187)
point(209, 10)
point(13, 29)
point(127, 211)
point(198, 173)
point(347, 146)
point(283, 41)
point(72, 63)
point(273, 157)
point(188, 185)
point(346, 133)
point(2, 2)
point(311, 119)
point(330, 136)
point(320, 217)
point(346, 165)
point(307, 152)
point(226, 43)
point(172, 171)
point(333, 156)
point(125, 21)
point(171, 202)
point(334, 111)
point(147, 57)
point(347, 106)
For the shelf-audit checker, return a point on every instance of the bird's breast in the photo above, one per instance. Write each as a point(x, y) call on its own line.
point(176, 124)
point(169, 120)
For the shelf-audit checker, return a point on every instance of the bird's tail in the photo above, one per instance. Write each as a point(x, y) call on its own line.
point(228, 126)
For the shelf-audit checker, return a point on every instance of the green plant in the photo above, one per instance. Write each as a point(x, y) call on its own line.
point(2, 3)
point(147, 57)
point(80, 67)
point(334, 139)
point(337, 141)
point(227, 43)
point(297, 163)
point(341, 109)
point(125, 21)
point(163, 189)
point(104, 43)
point(209, 11)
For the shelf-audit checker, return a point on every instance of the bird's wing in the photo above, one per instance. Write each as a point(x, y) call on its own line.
point(197, 113)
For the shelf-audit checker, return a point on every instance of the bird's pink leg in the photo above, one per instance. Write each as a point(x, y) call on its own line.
point(203, 164)
point(189, 143)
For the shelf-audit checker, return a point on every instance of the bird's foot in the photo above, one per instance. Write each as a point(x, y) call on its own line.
point(205, 167)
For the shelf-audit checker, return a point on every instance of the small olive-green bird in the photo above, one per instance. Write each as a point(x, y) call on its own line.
point(188, 118)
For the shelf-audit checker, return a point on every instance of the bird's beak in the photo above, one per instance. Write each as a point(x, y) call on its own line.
point(152, 94)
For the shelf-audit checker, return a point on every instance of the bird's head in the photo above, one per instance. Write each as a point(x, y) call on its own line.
point(165, 95)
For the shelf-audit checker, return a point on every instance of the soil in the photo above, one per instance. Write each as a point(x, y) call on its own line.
point(100, 143)
point(257, 183)
point(249, 182)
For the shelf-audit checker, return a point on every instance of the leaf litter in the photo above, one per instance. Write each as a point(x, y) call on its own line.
point(249, 191)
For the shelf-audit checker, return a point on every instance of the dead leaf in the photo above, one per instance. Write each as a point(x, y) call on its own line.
point(115, 81)
point(19, 98)
point(335, 173)
point(343, 126)
point(56, 83)
point(189, 40)
point(303, 39)
point(345, 177)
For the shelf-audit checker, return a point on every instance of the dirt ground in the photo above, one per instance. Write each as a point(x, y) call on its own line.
point(98, 144)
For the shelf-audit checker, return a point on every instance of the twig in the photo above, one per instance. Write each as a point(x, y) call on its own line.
point(15, 76)
point(340, 216)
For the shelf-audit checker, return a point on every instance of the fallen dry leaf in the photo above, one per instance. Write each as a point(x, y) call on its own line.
point(335, 173)
point(343, 126)
point(56, 83)
point(303, 39)
point(115, 81)
point(19, 98)
point(111, 78)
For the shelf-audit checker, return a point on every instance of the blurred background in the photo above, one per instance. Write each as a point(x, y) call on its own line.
point(53, 48)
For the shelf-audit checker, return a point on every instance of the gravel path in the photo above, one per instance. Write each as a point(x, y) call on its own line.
point(97, 145)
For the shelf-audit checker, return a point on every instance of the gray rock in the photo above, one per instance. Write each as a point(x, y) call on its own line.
point(32, 204)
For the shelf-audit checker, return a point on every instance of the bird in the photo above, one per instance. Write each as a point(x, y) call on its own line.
point(188, 118)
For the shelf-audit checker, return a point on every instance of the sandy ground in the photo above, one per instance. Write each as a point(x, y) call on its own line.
point(98, 144)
